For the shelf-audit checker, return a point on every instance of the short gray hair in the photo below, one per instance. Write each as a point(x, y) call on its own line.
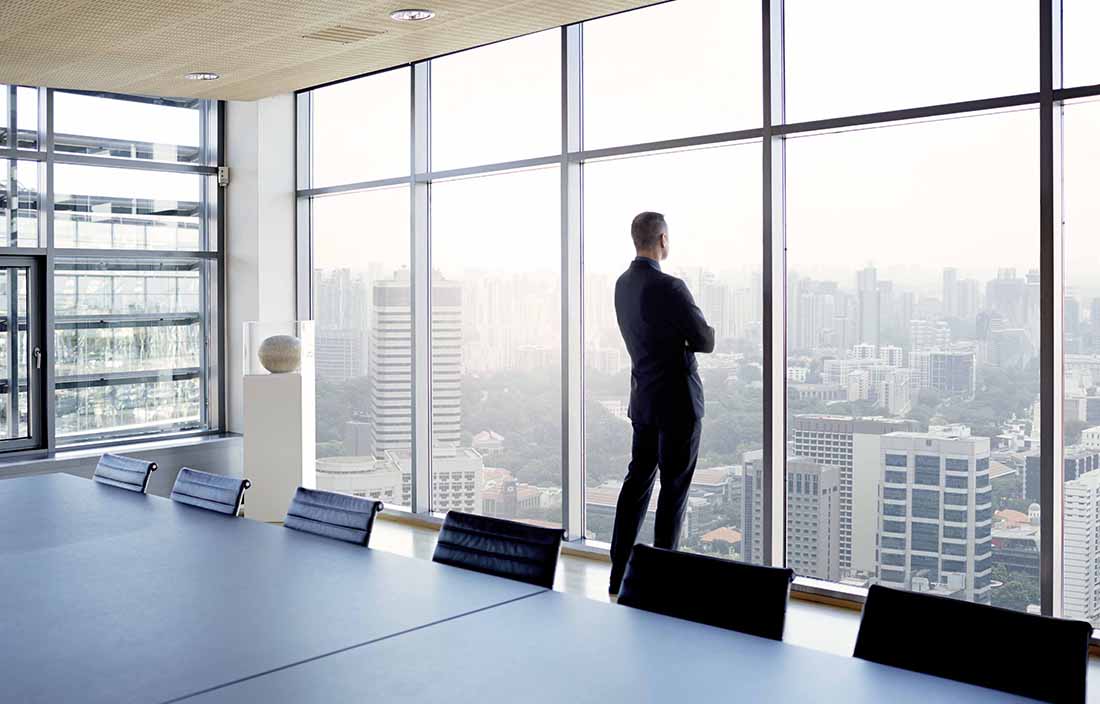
point(646, 229)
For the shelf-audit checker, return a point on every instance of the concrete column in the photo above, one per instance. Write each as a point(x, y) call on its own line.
point(260, 228)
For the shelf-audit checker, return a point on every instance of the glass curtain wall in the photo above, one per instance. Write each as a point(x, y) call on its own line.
point(902, 389)
point(116, 196)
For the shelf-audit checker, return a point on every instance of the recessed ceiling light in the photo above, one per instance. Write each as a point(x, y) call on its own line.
point(202, 76)
point(412, 15)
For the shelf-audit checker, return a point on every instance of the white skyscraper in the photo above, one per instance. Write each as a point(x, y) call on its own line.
point(936, 513)
point(390, 364)
point(1081, 535)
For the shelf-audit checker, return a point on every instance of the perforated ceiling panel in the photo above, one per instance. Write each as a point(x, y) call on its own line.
point(260, 47)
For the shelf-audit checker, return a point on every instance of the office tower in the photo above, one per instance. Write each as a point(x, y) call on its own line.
point(936, 513)
point(1071, 317)
point(869, 301)
point(752, 507)
point(390, 368)
point(968, 300)
point(743, 311)
point(950, 291)
point(715, 302)
point(892, 356)
point(1008, 295)
point(1081, 538)
point(342, 313)
point(851, 445)
point(813, 519)
point(893, 391)
point(864, 351)
point(339, 354)
point(929, 334)
point(859, 385)
point(952, 372)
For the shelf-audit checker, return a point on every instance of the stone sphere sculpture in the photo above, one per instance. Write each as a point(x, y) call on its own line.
point(281, 354)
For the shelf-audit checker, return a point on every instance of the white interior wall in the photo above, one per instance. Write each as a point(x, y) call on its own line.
point(260, 228)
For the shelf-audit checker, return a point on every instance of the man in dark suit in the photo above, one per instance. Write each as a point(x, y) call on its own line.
point(663, 329)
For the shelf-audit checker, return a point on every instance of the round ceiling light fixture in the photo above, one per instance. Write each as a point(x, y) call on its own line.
point(202, 76)
point(412, 15)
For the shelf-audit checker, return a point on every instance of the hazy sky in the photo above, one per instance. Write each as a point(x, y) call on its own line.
point(908, 198)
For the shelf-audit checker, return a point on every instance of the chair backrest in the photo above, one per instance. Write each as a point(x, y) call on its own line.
point(214, 492)
point(518, 551)
point(127, 473)
point(734, 595)
point(338, 516)
point(972, 643)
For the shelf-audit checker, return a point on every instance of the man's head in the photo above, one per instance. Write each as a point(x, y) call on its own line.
point(650, 233)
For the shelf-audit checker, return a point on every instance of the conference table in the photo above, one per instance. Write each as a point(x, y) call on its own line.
point(111, 596)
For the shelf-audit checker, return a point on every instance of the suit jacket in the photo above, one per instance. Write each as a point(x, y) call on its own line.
point(663, 329)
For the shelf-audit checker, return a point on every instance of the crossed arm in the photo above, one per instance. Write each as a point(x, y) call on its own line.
point(698, 336)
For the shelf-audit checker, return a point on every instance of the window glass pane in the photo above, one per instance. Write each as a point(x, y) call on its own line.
point(160, 129)
point(14, 354)
point(361, 305)
point(1081, 315)
point(1080, 51)
point(888, 232)
point(128, 339)
point(497, 103)
point(19, 189)
point(496, 346)
point(108, 208)
point(4, 102)
point(26, 117)
point(360, 129)
point(861, 56)
point(674, 70)
point(711, 201)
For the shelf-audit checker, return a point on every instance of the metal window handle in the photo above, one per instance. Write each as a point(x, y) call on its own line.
point(37, 357)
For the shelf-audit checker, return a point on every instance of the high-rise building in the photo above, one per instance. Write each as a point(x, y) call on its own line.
point(936, 513)
point(968, 300)
point(1071, 314)
point(929, 334)
point(852, 445)
point(813, 519)
point(950, 291)
point(390, 364)
point(869, 297)
point(812, 515)
point(1081, 540)
point(952, 372)
point(752, 507)
point(892, 356)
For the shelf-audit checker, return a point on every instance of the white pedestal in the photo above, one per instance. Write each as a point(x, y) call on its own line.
point(279, 441)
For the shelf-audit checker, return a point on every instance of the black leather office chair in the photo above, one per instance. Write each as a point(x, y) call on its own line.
point(518, 551)
point(733, 595)
point(214, 492)
point(338, 516)
point(126, 473)
point(976, 644)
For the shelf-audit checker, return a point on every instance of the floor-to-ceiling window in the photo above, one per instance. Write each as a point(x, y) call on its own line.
point(866, 201)
point(111, 202)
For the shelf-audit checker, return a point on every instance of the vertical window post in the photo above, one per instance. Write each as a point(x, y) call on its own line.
point(419, 182)
point(572, 324)
point(1051, 295)
point(773, 281)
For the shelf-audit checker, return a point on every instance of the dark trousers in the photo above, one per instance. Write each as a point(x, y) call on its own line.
point(674, 449)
